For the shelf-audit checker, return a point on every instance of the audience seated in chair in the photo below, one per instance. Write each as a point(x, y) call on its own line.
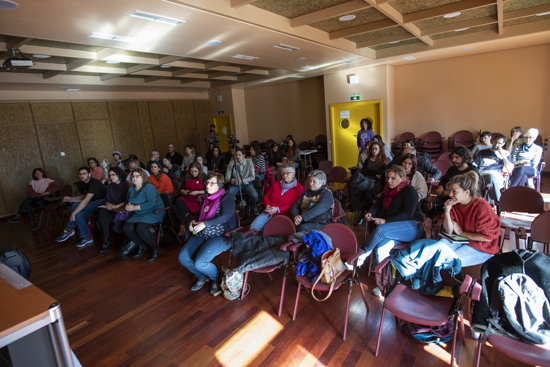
point(118, 160)
point(470, 216)
point(292, 153)
point(491, 163)
point(95, 171)
point(209, 153)
point(484, 143)
point(172, 170)
point(462, 163)
point(526, 158)
point(387, 149)
point(424, 165)
point(133, 165)
point(39, 187)
point(410, 164)
point(143, 200)
point(396, 213)
point(516, 138)
point(217, 216)
point(258, 160)
point(240, 175)
point(155, 157)
point(191, 194)
point(116, 194)
point(314, 208)
point(189, 157)
point(174, 157)
point(280, 198)
point(217, 162)
point(200, 160)
point(92, 192)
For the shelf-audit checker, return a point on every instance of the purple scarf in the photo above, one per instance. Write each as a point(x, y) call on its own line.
point(209, 206)
point(288, 186)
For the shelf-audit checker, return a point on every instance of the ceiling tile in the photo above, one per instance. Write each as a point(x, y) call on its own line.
point(522, 4)
point(466, 15)
point(65, 45)
point(393, 31)
point(295, 8)
point(530, 19)
point(364, 16)
point(401, 43)
point(412, 6)
point(468, 31)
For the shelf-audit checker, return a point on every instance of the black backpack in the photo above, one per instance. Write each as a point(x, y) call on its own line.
point(16, 261)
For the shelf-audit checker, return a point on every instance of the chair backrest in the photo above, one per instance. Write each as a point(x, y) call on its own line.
point(343, 238)
point(540, 228)
point(446, 156)
point(279, 224)
point(237, 219)
point(303, 145)
point(176, 185)
point(66, 190)
point(321, 139)
point(432, 137)
point(254, 142)
point(464, 137)
point(268, 143)
point(405, 136)
point(326, 166)
point(442, 165)
point(538, 141)
point(337, 208)
point(337, 174)
point(521, 199)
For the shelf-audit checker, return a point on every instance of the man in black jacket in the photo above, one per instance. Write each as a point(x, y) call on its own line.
point(173, 156)
point(462, 163)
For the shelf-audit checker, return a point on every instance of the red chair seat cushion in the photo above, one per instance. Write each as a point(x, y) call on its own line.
point(412, 306)
point(267, 269)
point(538, 355)
point(322, 286)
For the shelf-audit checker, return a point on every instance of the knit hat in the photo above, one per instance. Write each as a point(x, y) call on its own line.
point(117, 152)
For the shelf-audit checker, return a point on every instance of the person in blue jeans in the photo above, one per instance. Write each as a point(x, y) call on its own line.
point(396, 214)
point(216, 216)
point(86, 204)
point(242, 180)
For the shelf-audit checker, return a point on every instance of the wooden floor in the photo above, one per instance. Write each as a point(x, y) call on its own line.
point(134, 313)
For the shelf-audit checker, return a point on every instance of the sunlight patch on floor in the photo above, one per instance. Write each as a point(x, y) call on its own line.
point(439, 351)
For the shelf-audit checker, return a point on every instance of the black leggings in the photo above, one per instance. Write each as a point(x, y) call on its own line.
point(183, 210)
point(27, 206)
point(167, 201)
point(139, 233)
point(106, 217)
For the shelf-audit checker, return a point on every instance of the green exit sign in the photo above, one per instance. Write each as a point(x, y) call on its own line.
point(220, 111)
point(355, 96)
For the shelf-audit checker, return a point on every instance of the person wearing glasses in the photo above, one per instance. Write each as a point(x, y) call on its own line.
point(216, 216)
point(114, 199)
point(526, 158)
point(192, 191)
point(143, 199)
point(313, 209)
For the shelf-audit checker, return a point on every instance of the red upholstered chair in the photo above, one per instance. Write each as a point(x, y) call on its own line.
point(396, 144)
point(433, 144)
point(283, 226)
point(445, 157)
point(326, 166)
point(57, 207)
point(464, 138)
point(442, 165)
point(337, 174)
point(540, 231)
point(303, 145)
point(343, 238)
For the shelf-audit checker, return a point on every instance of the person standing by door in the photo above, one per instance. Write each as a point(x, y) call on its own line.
point(364, 135)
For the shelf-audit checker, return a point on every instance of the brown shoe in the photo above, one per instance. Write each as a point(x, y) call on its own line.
point(181, 233)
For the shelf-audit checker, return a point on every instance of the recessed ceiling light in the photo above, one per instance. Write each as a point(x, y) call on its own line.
point(156, 18)
point(344, 60)
point(345, 18)
point(213, 43)
point(541, 14)
point(72, 90)
point(111, 37)
point(266, 81)
point(244, 57)
point(165, 66)
point(310, 67)
point(8, 5)
point(38, 56)
point(460, 30)
point(467, 49)
point(452, 15)
point(113, 62)
point(391, 43)
point(300, 59)
point(409, 58)
point(64, 87)
point(296, 76)
point(286, 47)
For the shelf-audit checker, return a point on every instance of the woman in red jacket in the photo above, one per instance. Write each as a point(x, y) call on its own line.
point(164, 186)
point(280, 198)
point(192, 194)
point(472, 217)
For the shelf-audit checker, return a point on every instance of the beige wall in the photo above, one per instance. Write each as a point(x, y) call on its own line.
point(296, 108)
point(492, 91)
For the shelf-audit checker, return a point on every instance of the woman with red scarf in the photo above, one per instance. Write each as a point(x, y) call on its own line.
point(396, 213)
point(217, 215)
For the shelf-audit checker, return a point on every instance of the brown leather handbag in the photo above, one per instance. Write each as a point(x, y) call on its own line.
point(331, 268)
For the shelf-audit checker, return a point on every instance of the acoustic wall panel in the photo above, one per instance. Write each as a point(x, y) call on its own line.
point(90, 110)
point(15, 113)
point(143, 108)
point(147, 135)
point(203, 126)
point(60, 137)
point(3, 210)
point(183, 107)
point(164, 132)
point(96, 139)
point(55, 111)
point(202, 106)
point(160, 108)
point(127, 136)
point(20, 154)
point(123, 109)
point(186, 128)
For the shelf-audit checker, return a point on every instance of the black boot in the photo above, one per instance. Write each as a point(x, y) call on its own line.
point(106, 247)
point(33, 226)
point(141, 249)
point(15, 218)
point(156, 254)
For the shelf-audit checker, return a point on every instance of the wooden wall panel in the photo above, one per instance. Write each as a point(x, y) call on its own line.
point(202, 106)
point(147, 136)
point(123, 109)
point(164, 132)
point(203, 127)
point(96, 139)
point(186, 128)
point(127, 136)
point(90, 110)
point(56, 138)
point(20, 155)
point(160, 108)
point(15, 113)
point(55, 111)
point(183, 107)
point(3, 210)
point(143, 108)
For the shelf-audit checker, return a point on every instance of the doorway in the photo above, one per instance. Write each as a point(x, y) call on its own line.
point(223, 128)
point(345, 121)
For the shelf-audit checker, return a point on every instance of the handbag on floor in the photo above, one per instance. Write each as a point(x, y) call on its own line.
point(331, 268)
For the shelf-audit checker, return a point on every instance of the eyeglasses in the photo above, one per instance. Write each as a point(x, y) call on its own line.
point(211, 183)
point(288, 173)
point(136, 176)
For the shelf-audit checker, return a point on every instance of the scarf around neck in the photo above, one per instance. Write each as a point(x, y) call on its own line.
point(209, 206)
point(389, 194)
point(288, 186)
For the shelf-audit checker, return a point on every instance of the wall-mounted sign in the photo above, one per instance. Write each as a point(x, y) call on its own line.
point(355, 96)
point(220, 111)
point(344, 114)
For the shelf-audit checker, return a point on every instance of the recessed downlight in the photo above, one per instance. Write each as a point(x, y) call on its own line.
point(452, 15)
point(72, 90)
point(38, 56)
point(345, 18)
point(461, 29)
point(409, 58)
point(300, 59)
point(394, 42)
point(245, 57)
point(541, 14)
point(165, 66)
point(467, 49)
point(113, 62)
point(213, 43)
point(8, 5)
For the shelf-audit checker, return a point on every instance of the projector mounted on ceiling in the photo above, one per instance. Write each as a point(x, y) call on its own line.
point(15, 63)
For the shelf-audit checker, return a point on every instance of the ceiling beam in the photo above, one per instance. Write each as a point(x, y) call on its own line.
point(244, 69)
point(374, 26)
point(500, 16)
point(327, 13)
point(459, 25)
point(14, 42)
point(213, 64)
point(169, 59)
point(446, 9)
point(153, 79)
point(239, 3)
point(219, 74)
point(105, 77)
point(136, 68)
point(384, 40)
point(527, 12)
point(99, 55)
point(183, 72)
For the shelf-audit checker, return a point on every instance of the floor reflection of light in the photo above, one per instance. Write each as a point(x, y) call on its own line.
point(438, 350)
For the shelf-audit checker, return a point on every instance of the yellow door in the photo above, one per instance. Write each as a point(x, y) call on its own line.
point(345, 119)
point(223, 128)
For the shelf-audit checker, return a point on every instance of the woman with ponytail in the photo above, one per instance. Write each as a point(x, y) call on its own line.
point(472, 217)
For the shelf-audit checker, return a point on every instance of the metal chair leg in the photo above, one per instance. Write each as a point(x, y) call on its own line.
point(243, 290)
point(380, 331)
point(282, 292)
point(296, 304)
